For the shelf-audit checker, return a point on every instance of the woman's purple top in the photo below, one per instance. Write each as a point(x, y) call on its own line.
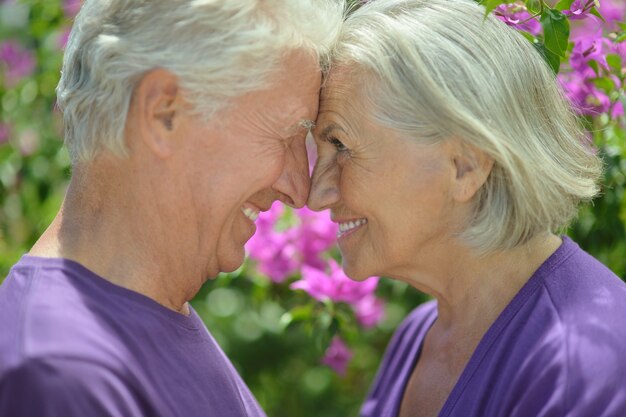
point(558, 349)
point(74, 345)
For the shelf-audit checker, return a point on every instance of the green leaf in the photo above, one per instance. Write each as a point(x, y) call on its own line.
point(564, 4)
point(620, 38)
point(334, 327)
point(285, 320)
point(490, 5)
point(556, 31)
point(528, 36)
point(553, 60)
point(324, 320)
point(299, 313)
point(605, 84)
point(321, 340)
point(594, 66)
point(615, 62)
point(596, 13)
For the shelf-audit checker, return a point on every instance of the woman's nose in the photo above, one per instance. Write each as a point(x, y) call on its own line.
point(324, 185)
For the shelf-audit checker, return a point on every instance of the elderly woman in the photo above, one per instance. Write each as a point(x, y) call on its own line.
point(184, 119)
point(449, 158)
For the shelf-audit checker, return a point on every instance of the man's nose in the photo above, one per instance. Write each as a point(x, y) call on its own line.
point(294, 182)
point(324, 185)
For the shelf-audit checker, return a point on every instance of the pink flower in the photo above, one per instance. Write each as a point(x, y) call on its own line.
point(583, 95)
point(28, 141)
point(277, 260)
point(273, 251)
point(617, 110)
point(369, 311)
point(589, 47)
point(71, 7)
point(281, 253)
point(584, 27)
point(596, 102)
point(619, 48)
point(579, 9)
point(334, 285)
point(613, 11)
point(517, 16)
point(63, 38)
point(5, 133)
point(315, 234)
point(337, 356)
point(19, 63)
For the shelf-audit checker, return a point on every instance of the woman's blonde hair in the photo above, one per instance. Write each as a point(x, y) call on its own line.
point(435, 69)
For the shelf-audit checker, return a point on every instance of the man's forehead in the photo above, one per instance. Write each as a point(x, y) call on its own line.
point(301, 126)
point(295, 118)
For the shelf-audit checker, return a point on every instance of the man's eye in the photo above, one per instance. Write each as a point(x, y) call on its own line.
point(337, 144)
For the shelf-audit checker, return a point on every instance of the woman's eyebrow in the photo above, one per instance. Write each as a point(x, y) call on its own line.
point(328, 129)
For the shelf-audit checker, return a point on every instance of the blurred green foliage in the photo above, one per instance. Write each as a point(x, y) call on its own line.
point(280, 363)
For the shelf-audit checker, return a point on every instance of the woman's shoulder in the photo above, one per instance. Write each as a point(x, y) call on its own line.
point(568, 338)
point(581, 288)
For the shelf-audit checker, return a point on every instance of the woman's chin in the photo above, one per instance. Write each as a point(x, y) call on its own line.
point(353, 272)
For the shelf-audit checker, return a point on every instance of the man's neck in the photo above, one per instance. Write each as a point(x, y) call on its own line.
point(121, 241)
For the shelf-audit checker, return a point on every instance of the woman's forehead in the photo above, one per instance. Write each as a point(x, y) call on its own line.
point(340, 94)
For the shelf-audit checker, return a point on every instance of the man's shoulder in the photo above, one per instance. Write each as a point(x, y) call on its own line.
point(69, 386)
point(47, 314)
point(51, 370)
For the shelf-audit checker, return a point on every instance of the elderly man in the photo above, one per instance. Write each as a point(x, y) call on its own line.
point(184, 120)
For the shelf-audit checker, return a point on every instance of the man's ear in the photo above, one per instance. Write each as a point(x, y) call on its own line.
point(473, 167)
point(158, 106)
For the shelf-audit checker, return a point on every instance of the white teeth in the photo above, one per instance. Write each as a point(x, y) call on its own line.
point(251, 214)
point(344, 227)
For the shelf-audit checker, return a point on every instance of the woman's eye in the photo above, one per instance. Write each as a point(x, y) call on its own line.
point(337, 144)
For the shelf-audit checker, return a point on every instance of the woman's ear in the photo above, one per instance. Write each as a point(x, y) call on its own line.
point(473, 167)
point(157, 102)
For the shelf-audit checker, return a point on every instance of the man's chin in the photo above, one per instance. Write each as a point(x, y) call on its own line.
point(213, 273)
point(231, 263)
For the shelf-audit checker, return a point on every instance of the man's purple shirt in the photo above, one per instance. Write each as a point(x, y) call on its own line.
point(558, 349)
point(74, 344)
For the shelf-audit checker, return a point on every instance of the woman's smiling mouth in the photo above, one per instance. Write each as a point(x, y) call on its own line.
point(350, 226)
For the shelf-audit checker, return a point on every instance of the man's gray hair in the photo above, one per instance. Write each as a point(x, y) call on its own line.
point(437, 69)
point(218, 49)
